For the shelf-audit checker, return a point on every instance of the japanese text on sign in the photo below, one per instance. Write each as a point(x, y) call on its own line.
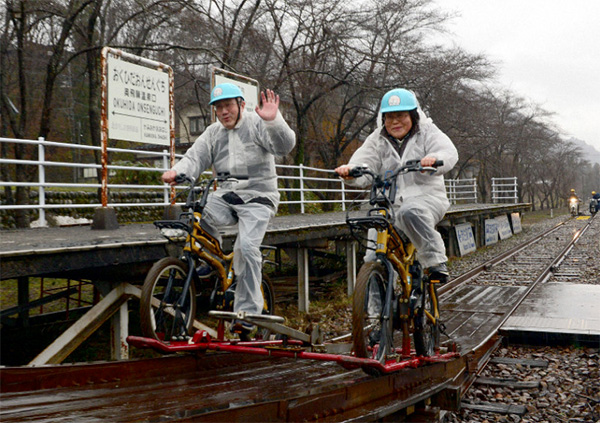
point(464, 236)
point(503, 226)
point(491, 231)
point(138, 103)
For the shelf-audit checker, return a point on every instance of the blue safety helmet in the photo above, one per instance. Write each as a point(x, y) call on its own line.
point(225, 91)
point(398, 100)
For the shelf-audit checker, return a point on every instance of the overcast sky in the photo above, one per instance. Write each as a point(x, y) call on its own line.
point(547, 51)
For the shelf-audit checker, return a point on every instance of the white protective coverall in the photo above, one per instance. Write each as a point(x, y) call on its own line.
point(248, 149)
point(421, 200)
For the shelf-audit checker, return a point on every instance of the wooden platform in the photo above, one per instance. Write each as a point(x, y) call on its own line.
point(129, 250)
point(117, 260)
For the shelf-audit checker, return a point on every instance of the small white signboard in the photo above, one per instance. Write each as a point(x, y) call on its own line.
point(465, 238)
point(138, 103)
point(516, 222)
point(503, 226)
point(491, 231)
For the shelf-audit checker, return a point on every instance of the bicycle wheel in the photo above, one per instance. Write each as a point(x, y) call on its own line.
point(372, 336)
point(160, 316)
point(427, 333)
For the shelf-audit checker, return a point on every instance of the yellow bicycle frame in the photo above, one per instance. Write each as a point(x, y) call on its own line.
point(402, 255)
point(200, 241)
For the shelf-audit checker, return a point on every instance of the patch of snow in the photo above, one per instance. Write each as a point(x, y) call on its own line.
point(60, 221)
point(38, 224)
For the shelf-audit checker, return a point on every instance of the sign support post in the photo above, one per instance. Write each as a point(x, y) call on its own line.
point(137, 105)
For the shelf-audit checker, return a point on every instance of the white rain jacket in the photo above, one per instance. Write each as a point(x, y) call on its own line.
point(421, 200)
point(248, 149)
point(379, 155)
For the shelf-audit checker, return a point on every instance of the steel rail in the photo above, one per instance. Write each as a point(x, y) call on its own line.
point(543, 276)
point(474, 272)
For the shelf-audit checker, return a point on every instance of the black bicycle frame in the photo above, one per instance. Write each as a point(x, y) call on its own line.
point(181, 301)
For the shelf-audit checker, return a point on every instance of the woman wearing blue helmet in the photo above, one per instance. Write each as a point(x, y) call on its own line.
point(421, 201)
point(241, 143)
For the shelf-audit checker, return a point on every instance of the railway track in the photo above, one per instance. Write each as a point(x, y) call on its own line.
point(225, 387)
point(549, 262)
point(489, 293)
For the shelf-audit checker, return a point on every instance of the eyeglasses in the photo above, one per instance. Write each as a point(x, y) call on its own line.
point(226, 104)
point(391, 116)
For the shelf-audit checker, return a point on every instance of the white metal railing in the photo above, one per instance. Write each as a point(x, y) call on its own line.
point(505, 190)
point(461, 190)
point(303, 180)
point(307, 195)
point(307, 181)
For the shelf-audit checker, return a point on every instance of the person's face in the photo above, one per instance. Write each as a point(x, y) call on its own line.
point(398, 124)
point(228, 112)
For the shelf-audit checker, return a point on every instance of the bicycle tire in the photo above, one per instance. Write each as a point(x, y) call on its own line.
point(161, 322)
point(426, 336)
point(367, 329)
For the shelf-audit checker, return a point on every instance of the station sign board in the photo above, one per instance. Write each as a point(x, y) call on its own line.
point(138, 102)
point(491, 231)
point(515, 219)
point(465, 238)
point(503, 226)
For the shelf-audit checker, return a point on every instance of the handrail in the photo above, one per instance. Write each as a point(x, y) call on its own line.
point(305, 181)
point(505, 189)
point(299, 181)
point(464, 190)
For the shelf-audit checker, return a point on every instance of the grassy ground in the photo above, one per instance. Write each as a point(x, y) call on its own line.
point(533, 217)
point(49, 286)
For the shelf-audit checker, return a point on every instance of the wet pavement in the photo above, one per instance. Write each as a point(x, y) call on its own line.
point(559, 308)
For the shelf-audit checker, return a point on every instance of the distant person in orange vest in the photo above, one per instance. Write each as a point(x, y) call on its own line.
point(573, 195)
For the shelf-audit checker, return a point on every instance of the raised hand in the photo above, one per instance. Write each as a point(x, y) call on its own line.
point(270, 105)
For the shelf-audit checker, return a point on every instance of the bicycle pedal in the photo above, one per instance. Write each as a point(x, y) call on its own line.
point(415, 300)
point(442, 327)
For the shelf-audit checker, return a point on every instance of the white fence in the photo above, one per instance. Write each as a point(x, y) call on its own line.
point(461, 190)
point(505, 190)
point(314, 185)
point(309, 188)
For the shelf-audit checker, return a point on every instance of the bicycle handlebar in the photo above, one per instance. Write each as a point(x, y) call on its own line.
point(383, 189)
point(182, 177)
point(228, 177)
point(410, 166)
point(191, 200)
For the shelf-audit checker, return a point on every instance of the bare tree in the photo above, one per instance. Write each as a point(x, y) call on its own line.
point(330, 60)
point(37, 27)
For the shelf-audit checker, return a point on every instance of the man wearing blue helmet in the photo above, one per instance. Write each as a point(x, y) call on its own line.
point(421, 201)
point(241, 144)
